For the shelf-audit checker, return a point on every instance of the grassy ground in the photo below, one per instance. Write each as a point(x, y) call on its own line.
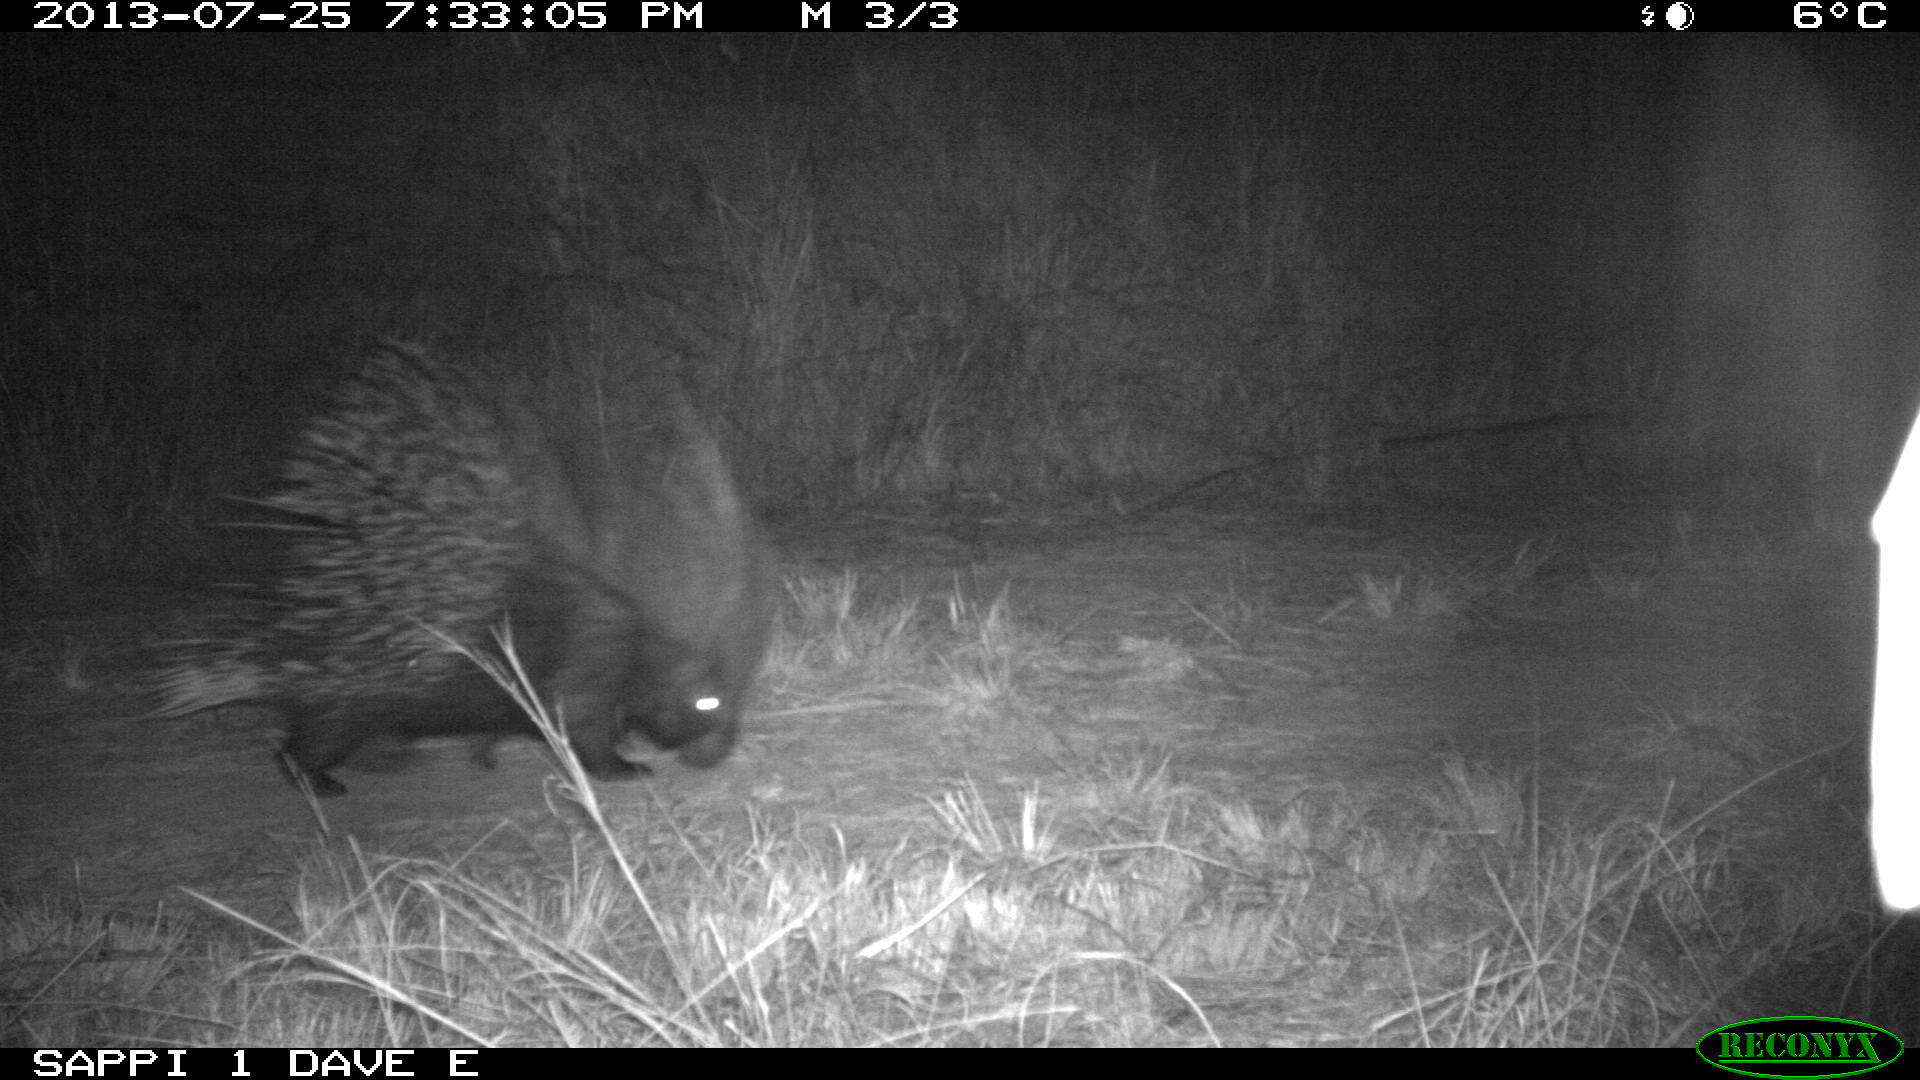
point(1541, 794)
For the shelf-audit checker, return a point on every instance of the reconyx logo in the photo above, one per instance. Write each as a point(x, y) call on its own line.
point(1802, 1047)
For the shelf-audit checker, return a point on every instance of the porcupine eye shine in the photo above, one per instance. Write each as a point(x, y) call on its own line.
point(679, 701)
point(656, 689)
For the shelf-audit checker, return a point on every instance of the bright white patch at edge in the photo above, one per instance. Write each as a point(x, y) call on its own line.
point(1896, 691)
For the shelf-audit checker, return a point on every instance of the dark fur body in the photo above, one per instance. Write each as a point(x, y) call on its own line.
point(596, 524)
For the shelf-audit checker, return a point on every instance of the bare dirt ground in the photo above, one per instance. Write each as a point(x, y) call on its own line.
point(1624, 658)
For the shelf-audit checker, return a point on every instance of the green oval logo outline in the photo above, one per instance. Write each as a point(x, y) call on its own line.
point(1818, 1049)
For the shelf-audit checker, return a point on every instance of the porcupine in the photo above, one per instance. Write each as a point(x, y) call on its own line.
point(608, 541)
